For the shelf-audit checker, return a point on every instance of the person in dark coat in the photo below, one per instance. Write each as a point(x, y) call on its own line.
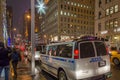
point(4, 60)
point(15, 57)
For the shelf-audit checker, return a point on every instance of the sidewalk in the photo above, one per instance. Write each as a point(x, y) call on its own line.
point(24, 72)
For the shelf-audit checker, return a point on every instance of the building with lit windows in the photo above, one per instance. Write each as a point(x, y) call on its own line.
point(27, 24)
point(107, 20)
point(66, 19)
point(3, 23)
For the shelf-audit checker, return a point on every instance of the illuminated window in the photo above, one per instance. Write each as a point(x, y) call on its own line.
point(75, 4)
point(81, 5)
point(68, 2)
point(116, 8)
point(64, 13)
point(111, 10)
point(68, 14)
point(111, 24)
point(71, 3)
point(84, 6)
point(107, 1)
point(61, 12)
point(107, 11)
point(115, 23)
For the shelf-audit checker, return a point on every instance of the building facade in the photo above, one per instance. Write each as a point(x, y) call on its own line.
point(9, 19)
point(27, 24)
point(107, 20)
point(66, 19)
point(3, 22)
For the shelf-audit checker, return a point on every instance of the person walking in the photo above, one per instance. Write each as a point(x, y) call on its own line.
point(15, 57)
point(4, 60)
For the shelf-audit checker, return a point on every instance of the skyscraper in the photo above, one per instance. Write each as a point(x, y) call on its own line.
point(65, 19)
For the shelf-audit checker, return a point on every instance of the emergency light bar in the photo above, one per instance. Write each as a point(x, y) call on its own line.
point(83, 38)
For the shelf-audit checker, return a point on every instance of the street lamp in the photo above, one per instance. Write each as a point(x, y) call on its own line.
point(14, 29)
point(28, 16)
point(14, 32)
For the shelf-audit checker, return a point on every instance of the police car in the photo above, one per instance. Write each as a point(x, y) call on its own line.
point(85, 58)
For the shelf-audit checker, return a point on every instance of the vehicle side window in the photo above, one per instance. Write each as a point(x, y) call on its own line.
point(86, 50)
point(65, 50)
point(52, 50)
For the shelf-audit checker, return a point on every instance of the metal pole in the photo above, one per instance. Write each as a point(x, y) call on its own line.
point(32, 37)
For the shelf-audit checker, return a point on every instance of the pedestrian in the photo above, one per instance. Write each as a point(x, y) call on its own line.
point(4, 60)
point(15, 57)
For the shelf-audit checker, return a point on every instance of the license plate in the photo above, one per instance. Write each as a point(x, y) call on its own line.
point(101, 63)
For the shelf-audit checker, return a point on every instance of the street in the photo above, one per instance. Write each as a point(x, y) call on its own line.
point(114, 69)
point(115, 72)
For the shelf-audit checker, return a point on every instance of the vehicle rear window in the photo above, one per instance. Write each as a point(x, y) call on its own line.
point(86, 50)
point(100, 48)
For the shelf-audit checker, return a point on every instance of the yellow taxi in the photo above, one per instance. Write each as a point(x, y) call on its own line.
point(115, 56)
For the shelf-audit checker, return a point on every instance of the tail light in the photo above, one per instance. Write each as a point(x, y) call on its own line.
point(76, 54)
point(107, 50)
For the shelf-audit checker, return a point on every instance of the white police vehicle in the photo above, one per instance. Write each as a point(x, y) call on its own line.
point(83, 59)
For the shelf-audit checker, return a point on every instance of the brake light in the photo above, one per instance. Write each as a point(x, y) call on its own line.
point(107, 50)
point(76, 54)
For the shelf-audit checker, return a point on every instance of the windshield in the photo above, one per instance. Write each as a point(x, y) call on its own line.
point(100, 48)
point(86, 50)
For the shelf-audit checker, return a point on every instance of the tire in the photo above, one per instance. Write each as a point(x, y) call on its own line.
point(62, 75)
point(116, 61)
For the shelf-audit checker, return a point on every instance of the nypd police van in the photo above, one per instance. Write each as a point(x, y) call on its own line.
point(81, 59)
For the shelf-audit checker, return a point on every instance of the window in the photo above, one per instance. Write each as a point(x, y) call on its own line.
point(100, 3)
point(111, 10)
point(99, 15)
point(116, 8)
point(99, 27)
point(86, 50)
point(61, 6)
point(107, 25)
point(107, 11)
point(100, 48)
point(107, 1)
point(111, 24)
point(115, 23)
point(65, 50)
point(61, 12)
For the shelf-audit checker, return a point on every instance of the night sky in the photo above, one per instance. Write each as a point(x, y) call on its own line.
point(19, 7)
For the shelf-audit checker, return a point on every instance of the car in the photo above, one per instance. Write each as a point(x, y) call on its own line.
point(38, 50)
point(85, 58)
point(115, 56)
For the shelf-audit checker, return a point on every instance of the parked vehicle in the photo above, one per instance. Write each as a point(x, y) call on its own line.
point(38, 51)
point(84, 58)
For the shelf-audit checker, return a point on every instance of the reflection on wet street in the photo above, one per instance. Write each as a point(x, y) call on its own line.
point(115, 72)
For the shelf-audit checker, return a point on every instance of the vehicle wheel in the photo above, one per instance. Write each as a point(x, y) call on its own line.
point(116, 61)
point(62, 75)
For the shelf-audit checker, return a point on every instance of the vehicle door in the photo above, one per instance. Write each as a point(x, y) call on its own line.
point(86, 60)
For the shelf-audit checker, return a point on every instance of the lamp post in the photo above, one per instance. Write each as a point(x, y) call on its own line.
point(32, 37)
point(41, 9)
